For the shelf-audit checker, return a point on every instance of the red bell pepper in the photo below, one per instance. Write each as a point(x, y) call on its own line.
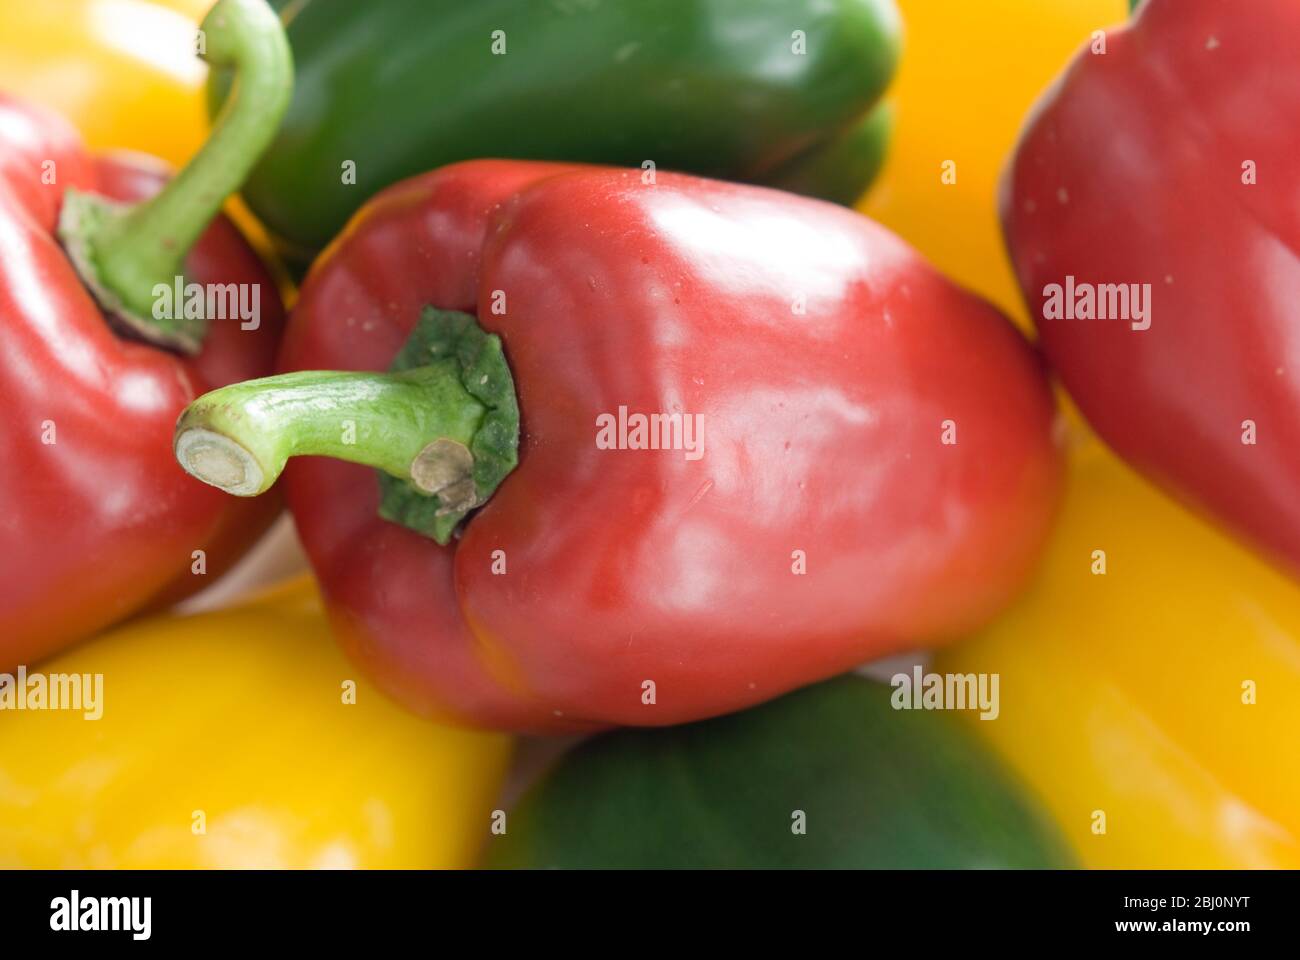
point(863, 460)
point(95, 364)
point(1152, 215)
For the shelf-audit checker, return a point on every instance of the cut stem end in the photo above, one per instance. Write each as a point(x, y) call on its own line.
point(219, 461)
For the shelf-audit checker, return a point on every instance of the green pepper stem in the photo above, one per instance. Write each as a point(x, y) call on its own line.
point(415, 425)
point(441, 426)
point(125, 252)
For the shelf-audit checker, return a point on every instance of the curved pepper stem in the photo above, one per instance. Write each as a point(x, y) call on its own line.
point(124, 252)
point(442, 426)
point(239, 437)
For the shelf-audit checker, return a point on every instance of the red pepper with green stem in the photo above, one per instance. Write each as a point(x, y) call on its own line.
point(94, 366)
point(873, 466)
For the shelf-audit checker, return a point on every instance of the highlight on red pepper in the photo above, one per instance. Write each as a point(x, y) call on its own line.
point(758, 441)
point(124, 295)
point(1150, 212)
point(830, 777)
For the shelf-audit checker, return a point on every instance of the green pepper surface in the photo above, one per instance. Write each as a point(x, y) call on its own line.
point(779, 92)
point(828, 776)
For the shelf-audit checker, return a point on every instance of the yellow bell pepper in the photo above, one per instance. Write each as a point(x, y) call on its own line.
point(124, 72)
point(226, 741)
point(1150, 683)
point(971, 70)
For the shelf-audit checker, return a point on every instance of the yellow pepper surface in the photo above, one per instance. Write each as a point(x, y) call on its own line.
point(1153, 706)
point(970, 72)
point(226, 741)
point(124, 72)
point(1122, 693)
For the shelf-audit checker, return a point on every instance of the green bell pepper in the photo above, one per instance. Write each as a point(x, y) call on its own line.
point(736, 89)
point(839, 169)
point(828, 776)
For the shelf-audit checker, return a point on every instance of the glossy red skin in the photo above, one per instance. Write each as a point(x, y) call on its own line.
point(821, 433)
point(103, 522)
point(1147, 142)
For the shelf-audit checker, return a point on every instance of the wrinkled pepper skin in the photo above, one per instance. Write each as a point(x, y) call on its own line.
point(1124, 692)
point(822, 433)
point(830, 777)
point(98, 523)
point(240, 717)
point(1137, 169)
point(714, 87)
